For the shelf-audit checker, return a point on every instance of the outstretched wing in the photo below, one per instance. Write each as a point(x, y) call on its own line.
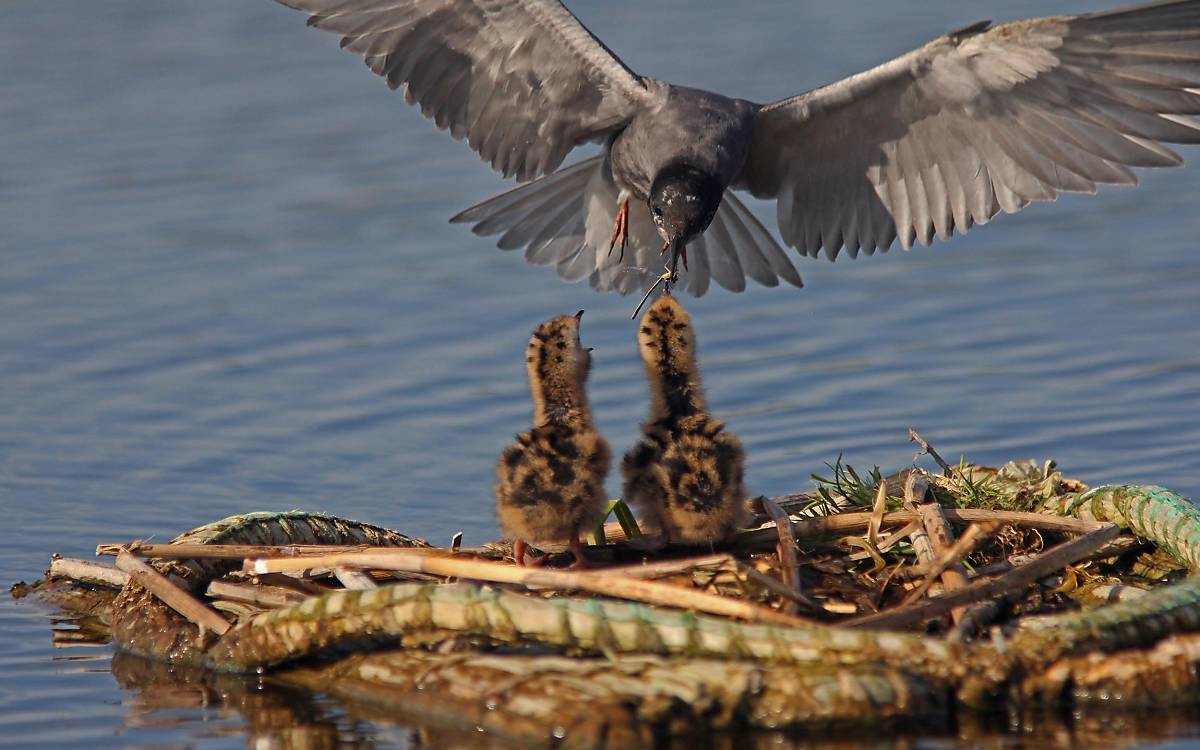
point(979, 121)
point(522, 80)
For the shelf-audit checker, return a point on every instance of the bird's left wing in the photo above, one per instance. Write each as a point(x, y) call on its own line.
point(978, 121)
point(522, 80)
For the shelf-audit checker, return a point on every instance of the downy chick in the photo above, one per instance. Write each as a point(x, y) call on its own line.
point(686, 474)
point(550, 484)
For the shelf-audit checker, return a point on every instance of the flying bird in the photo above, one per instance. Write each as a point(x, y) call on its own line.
point(981, 120)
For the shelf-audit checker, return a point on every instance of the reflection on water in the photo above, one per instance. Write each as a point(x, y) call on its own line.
point(234, 706)
point(228, 284)
point(197, 707)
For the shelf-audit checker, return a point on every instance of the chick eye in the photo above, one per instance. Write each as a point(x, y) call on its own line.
point(656, 211)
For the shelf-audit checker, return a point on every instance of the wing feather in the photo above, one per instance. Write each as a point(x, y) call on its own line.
point(980, 121)
point(522, 80)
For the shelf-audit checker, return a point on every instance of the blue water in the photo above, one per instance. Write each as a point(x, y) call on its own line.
point(227, 284)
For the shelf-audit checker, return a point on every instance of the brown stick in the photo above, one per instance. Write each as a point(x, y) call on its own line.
point(171, 595)
point(913, 436)
point(88, 572)
point(622, 587)
point(953, 575)
point(877, 511)
point(242, 551)
point(354, 580)
point(975, 618)
point(1043, 564)
point(851, 523)
point(266, 596)
point(786, 549)
point(914, 492)
point(975, 534)
point(1116, 547)
point(891, 540)
point(777, 587)
point(668, 567)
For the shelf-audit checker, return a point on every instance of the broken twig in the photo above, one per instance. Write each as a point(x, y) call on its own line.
point(171, 595)
point(1043, 564)
point(597, 582)
point(786, 548)
point(926, 448)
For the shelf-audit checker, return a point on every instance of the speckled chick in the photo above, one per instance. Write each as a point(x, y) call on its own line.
point(550, 484)
point(686, 474)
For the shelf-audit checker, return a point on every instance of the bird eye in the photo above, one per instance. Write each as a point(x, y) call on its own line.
point(656, 211)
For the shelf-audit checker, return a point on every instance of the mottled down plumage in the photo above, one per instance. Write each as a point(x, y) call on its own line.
point(550, 483)
point(686, 474)
point(979, 121)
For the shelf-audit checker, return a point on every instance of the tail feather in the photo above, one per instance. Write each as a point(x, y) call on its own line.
point(565, 219)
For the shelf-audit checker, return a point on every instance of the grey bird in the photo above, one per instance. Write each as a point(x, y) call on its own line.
point(981, 120)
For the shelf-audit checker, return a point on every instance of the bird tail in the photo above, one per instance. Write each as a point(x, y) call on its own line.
point(545, 216)
point(565, 219)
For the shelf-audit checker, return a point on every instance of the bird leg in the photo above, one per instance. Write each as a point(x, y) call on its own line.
point(620, 232)
point(581, 562)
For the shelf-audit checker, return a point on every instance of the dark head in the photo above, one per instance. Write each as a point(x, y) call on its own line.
point(683, 201)
point(558, 368)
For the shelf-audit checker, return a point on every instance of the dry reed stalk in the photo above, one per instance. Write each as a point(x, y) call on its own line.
point(785, 549)
point(877, 511)
point(88, 572)
point(975, 618)
point(243, 551)
point(670, 567)
point(598, 582)
point(914, 490)
point(265, 596)
point(926, 448)
point(842, 524)
point(1043, 564)
point(354, 580)
point(171, 595)
point(888, 542)
point(975, 534)
point(777, 587)
point(954, 575)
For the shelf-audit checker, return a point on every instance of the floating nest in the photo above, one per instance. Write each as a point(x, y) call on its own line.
point(870, 601)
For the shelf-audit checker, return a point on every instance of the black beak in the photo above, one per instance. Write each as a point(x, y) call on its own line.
point(579, 315)
point(678, 246)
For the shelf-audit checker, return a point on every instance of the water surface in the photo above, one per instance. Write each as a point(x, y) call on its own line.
point(228, 284)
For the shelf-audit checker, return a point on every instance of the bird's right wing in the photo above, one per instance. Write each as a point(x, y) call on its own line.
point(522, 80)
point(979, 121)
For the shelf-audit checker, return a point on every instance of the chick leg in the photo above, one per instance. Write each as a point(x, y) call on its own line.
point(620, 232)
point(581, 562)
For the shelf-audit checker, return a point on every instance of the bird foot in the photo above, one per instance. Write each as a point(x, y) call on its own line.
point(620, 232)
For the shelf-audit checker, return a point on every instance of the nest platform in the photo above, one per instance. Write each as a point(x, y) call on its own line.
point(870, 602)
